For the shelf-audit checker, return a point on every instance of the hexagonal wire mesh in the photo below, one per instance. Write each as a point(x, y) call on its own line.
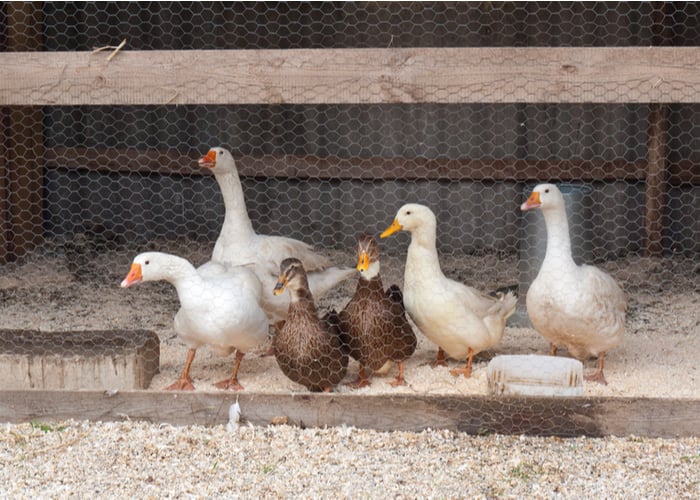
point(86, 188)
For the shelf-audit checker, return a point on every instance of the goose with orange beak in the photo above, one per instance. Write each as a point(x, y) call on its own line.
point(239, 244)
point(575, 306)
point(222, 310)
point(461, 320)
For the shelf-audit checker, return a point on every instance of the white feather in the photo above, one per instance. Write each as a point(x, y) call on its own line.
point(234, 416)
point(239, 244)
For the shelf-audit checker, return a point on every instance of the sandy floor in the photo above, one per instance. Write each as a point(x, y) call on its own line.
point(59, 288)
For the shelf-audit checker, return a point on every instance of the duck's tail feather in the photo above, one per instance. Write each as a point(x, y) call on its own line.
point(501, 310)
point(320, 282)
point(333, 320)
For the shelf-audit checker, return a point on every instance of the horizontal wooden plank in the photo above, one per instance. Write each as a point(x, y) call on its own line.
point(308, 167)
point(683, 172)
point(472, 414)
point(327, 76)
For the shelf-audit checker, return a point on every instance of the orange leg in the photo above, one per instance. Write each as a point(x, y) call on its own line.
point(362, 379)
point(440, 360)
point(552, 349)
point(598, 375)
point(399, 378)
point(232, 382)
point(467, 370)
point(185, 381)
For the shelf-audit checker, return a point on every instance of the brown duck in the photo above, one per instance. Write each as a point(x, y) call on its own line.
point(374, 323)
point(309, 350)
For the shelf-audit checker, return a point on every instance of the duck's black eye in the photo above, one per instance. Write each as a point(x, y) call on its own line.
point(546, 190)
point(147, 262)
point(408, 213)
point(221, 152)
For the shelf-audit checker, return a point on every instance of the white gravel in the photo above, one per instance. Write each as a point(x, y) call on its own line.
point(135, 459)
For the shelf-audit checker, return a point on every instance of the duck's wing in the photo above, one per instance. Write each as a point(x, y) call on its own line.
point(601, 299)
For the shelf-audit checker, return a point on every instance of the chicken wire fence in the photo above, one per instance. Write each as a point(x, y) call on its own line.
point(85, 188)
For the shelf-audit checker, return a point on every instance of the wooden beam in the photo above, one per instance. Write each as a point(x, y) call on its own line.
point(25, 174)
point(684, 171)
point(566, 417)
point(656, 179)
point(23, 137)
point(5, 233)
point(307, 167)
point(330, 76)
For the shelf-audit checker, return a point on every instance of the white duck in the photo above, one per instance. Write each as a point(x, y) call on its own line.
point(461, 320)
point(222, 309)
point(239, 244)
point(579, 307)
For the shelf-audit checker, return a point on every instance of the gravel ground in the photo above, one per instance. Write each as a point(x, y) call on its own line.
point(134, 459)
point(658, 358)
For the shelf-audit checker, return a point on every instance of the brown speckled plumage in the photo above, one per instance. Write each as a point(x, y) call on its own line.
point(374, 322)
point(308, 350)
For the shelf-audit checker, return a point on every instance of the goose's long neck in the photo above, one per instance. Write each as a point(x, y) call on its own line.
point(181, 274)
point(558, 239)
point(236, 215)
point(422, 253)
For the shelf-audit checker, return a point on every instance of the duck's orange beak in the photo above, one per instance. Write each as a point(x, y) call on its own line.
point(363, 261)
point(133, 277)
point(208, 160)
point(532, 202)
point(281, 284)
point(395, 227)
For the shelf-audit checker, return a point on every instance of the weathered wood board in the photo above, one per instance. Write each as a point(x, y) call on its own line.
point(565, 417)
point(78, 360)
point(354, 76)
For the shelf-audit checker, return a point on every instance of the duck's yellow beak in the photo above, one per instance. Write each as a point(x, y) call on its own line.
point(395, 226)
point(363, 261)
point(280, 285)
point(532, 202)
point(208, 160)
point(133, 277)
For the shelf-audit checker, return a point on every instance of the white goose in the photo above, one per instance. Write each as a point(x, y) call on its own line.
point(579, 307)
point(222, 309)
point(239, 244)
point(461, 320)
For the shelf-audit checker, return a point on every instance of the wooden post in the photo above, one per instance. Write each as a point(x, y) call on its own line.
point(662, 35)
point(656, 178)
point(22, 163)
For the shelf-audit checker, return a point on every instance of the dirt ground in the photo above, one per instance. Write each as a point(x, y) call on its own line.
point(75, 286)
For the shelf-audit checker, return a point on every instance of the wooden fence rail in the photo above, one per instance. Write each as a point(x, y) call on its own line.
point(171, 162)
point(354, 76)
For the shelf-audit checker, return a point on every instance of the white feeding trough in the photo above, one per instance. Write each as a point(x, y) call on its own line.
point(535, 375)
